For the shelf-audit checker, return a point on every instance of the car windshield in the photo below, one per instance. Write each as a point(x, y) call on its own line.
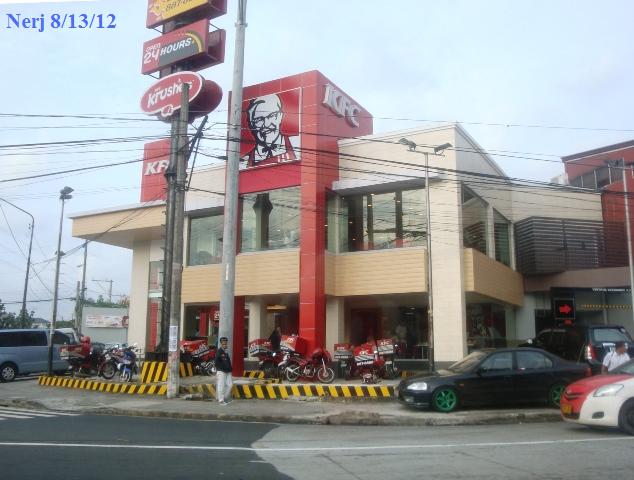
point(610, 335)
point(625, 369)
point(468, 362)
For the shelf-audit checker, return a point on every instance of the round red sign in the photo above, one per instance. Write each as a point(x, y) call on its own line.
point(164, 97)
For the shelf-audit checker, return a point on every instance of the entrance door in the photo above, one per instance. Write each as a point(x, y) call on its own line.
point(366, 325)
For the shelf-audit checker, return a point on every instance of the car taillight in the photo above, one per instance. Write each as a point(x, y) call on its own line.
point(590, 353)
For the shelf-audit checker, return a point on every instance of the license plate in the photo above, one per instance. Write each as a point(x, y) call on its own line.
point(566, 409)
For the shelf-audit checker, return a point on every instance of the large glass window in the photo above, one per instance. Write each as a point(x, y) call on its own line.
point(383, 220)
point(270, 220)
point(502, 240)
point(205, 240)
point(474, 215)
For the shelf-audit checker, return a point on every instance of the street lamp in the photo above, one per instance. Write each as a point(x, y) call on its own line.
point(28, 258)
point(430, 289)
point(64, 194)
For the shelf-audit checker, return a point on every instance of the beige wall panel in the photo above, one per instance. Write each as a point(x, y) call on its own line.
point(139, 293)
point(485, 276)
point(125, 220)
point(382, 271)
point(331, 274)
point(264, 273)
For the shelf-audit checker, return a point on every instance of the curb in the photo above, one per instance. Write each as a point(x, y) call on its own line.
point(356, 417)
point(284, 392)
point(108, 387)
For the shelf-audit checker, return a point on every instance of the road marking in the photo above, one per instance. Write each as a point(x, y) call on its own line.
point(25, 414)
point(316, 449)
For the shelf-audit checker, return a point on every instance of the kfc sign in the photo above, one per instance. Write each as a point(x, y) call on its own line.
point(341, 105)
point(155, 162)
point(160, 11)
point(270, 128)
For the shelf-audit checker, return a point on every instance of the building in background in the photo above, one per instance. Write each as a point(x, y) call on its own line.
point(332, 235)
point(105, 324)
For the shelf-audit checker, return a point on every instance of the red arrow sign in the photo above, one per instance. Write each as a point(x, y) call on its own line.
point(565, 309)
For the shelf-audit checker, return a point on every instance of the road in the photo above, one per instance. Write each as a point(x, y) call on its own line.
point(85, 446)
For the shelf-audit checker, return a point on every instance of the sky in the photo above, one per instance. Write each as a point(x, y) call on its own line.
point(540, 78)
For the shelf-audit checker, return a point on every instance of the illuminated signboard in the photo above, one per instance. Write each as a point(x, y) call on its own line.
point(192, 43)
point(161, 11)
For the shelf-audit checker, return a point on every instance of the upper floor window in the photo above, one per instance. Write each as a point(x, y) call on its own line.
point(502, 238)
point(474, 221)
point(205, 240)
point(270, 220)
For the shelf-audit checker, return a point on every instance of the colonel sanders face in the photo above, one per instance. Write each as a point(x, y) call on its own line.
point(265, 117)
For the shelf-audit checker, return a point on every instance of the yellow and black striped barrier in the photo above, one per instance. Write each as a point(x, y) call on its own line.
point(278, 391)
point(253, 374)
point(99, 386)
point(154, 372)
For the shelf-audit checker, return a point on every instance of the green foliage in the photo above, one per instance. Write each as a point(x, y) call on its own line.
point(11, 320)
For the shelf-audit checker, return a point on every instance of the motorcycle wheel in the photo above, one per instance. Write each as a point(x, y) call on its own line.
point(347, 372)
point(292, 373)
point(391, 372)
point(210, 368)
point(108, 370)
point(269, 370)
point(325, 375)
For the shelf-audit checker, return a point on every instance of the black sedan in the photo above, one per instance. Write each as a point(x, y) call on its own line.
point(492, 377)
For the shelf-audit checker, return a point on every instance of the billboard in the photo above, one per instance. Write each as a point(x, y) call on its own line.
point(106, 321)
point(193, 43)
point(160, 11)
point(271, 128)
point(156, 156)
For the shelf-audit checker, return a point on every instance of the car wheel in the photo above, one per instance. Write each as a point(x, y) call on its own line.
point(445, 399)
point(8, 372)
point(626, 417)
point(555, 393)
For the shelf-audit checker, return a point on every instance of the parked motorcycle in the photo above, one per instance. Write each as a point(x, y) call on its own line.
point(84, 358)
point(365, 363)
point(200, 355)
point(121, 360)
point(388, 350)
point(310, 368)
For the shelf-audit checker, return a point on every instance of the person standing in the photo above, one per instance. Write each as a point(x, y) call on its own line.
point(224, 382)
point(615, 358)
point(276, 338)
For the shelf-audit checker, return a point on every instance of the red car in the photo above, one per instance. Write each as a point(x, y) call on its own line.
point(576, 393)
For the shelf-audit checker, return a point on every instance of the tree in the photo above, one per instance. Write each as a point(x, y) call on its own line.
point(11, 320)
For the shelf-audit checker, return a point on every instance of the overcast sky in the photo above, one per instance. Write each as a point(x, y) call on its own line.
point(510, 71)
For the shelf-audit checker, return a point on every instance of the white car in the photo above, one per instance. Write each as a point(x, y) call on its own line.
point(610, 405)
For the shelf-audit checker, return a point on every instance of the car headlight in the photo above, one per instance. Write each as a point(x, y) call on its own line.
point(608, 390)
point(417, 386)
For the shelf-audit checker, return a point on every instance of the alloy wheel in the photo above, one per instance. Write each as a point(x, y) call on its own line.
point(445, 400)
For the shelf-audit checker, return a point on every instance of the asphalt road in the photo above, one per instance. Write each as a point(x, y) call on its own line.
point(106, 447)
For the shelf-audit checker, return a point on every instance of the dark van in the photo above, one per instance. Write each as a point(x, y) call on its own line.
point(579, 343)
point(26, 351)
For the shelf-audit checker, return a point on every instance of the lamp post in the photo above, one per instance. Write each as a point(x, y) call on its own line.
point(64, 194)
point(28, 258)
point(430, 284)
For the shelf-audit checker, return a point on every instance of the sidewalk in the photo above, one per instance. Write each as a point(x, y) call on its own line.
point(29, 394)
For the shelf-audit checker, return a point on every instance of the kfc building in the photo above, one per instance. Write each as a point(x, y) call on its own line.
point(332, 231)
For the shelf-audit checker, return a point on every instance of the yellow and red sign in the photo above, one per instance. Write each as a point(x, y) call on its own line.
point(161, 11)
point(193, 43)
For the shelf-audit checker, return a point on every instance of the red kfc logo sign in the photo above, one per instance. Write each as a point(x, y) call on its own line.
point(156, 157)
point(270, 126)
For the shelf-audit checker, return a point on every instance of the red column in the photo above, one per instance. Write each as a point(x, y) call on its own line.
point(237, 355)
point(202, 322)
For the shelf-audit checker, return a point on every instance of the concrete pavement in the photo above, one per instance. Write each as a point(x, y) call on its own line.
point(26, 392)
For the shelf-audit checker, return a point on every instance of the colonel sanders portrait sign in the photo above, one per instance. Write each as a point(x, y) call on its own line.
point(271, 129)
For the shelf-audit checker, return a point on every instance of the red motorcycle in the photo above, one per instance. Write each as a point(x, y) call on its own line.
point(365, 363)
point(83, 358)
point(200, 355)
point(310, 368)
point(388, 350)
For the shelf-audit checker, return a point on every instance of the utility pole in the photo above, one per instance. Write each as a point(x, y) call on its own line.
point(28, 259)
point(83, 287)
point(230, 227)
point(173, 354)
point(109, 287)
point(78, 306)
point(64, 194)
